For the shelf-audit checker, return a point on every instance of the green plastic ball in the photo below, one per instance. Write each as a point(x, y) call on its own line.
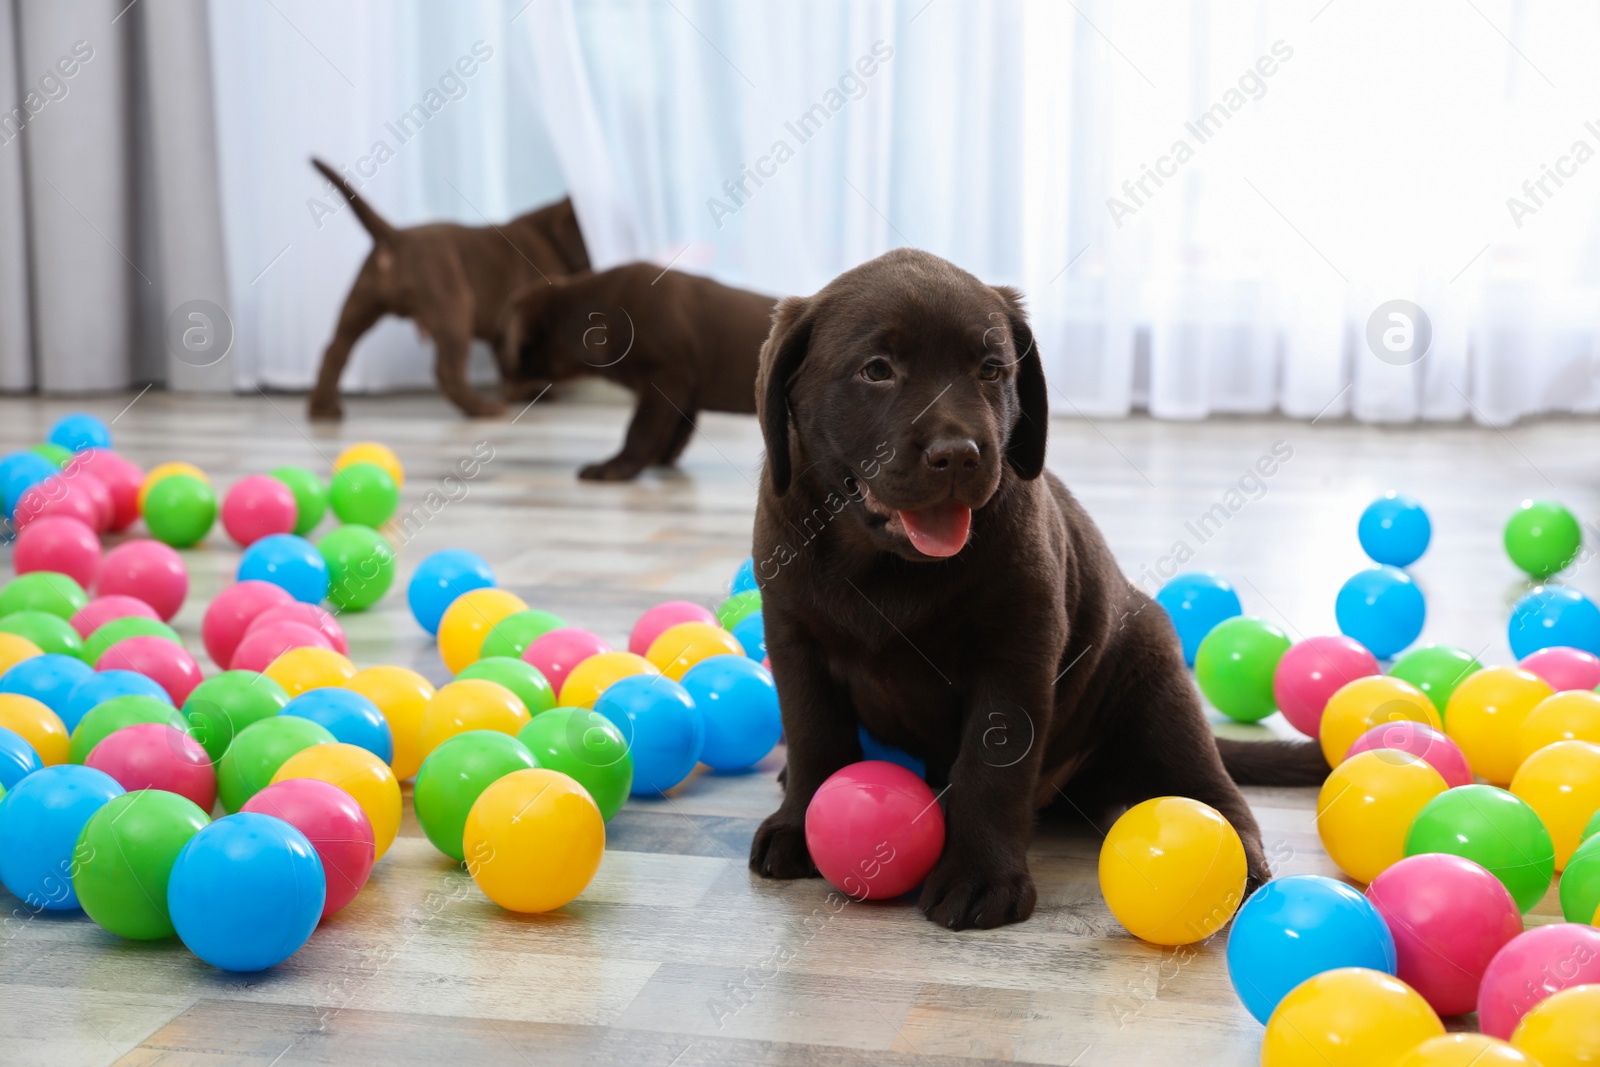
point(1235, 664)
point(513, 634)
point(1592, 829)
point(1542, 537)
point(180, 510)
point(453, 776)
point(517, 675)
point(738, 607)
point(360, 566)
point(1494, 829)
point(54, 453)
point(120, 629)
point(125, 856)
point(1436, 670)
point(364, 494)
point(50, 632)
point(103, 720)
point(310, 497)
point(1580, 884)
point(586, 745)
point(46, 591)
point(224, 704)
point(259, 750)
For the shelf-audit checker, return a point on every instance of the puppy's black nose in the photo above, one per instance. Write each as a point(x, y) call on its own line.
point(951, 454)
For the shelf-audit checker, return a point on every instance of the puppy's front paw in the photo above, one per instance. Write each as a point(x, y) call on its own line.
point(779, 849)
point(325, 409)
point(959, 895)
point(612, 470)
point(483, 409)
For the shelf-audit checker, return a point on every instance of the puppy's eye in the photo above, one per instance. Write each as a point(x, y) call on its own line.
point(877, 370)
point(990, 371)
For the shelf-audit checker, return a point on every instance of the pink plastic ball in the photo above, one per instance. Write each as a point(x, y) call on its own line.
point(102, 609)
point(260, 647)
point(1449, 918)
point(1534, 966)
point(257, 507)
point(334, 823)
point(230, 614)
point(661, 618)
point(1564, 668)
point(1422, 741)
point(164, 662)
point(61, 544)
point(307, 615)
point(155, 755)
point(121, 477)
point(1312, 671)
point(557, 652)
point(874, 830)
point(83, 497)
point(146, 569)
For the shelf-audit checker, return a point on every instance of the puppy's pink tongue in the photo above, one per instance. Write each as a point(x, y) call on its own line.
point(940, 530)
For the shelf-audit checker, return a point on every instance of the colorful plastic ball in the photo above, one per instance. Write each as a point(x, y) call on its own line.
point(180, 510)
point(50, 633)
point(122, 478)
point(146, 570)
point(473, 704)
point(533, 840)
point(738, 702)
point(402, 696)
point(350, 717)
point(116, 714)
point(586, 746)
point(512, 635)
point(1561, 783)
point(732, 611)
point(48, 679)
point(1394, 530)
point(1350, 1017)
point(336, 826)
point(1357, 707)
point(664, 731)
point(169, 665)
point(1564, 668)
point(467, 622)
point(679, 647)
point(78, 431)
point(595, 675)
point(751, 633)
point(1486, 714)
point(874, 830)
point(15, 648)
point(361, 774)
point(1494, 829)
point(40, 822)
point(363, 494)
point(310, 497)
point(1465, 1050)
point(1580, 883)
point(53, 452)
point(125, 858)
point(17, 758)
point(246, 892)
point(289, 561)
point(259, 750)
point(101, 610)
point(1551, 616)
point(258, 506)
point(661, 618)
point(1296, 927)
point(874, 749)
point(744, 579)
point(1533, 967)
point(19, 472)
point(265, 645)
point(229, 615)
point(519, 676)
point(102, 686)
point(557, 652)
point(1196, 602)
point(455, 774)
point(301, 670)
point(1436, 670)
point(1419, 740)
point(154, 755)
point(48, 591)
point(374, 453)
point(59, 544)
point(162, 471)
point(1563, 1030)
point(1449, 917)
point(83, 497)
point(361, 566)
point(1542, 537)
point(1311, 672)
point(1367, 805)
point(440, 579)
point(307, 615)
point(1172, 871)
point(1235, 666)
point(224, 704)
point(39, 727)
point(118, 630)
point(1382, 608)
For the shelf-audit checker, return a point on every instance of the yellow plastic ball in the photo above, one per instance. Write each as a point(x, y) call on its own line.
point(1570, 716)
point(1367, 805)
point(1349, 1017)
point(1485, 715)
point(38, 725)
point(374, 453)
point(167, 470)
point(682, 646)
point(402, 695)
point(300, 670)
point(533, 840)
point(1563, 1030)
point(1561, 783)
point(1358, 706)
point(361, 774)
point(595, 675)
point(14, 649)
point(470, 704)
point(1172, 870)
point(468, 620)
point(1465, 1050)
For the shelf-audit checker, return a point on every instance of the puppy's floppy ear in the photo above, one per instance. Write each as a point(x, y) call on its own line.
point(1026, 446)
point(781, 357)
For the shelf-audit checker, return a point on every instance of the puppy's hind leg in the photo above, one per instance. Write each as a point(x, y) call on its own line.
point(362, 308)
point(658, 417)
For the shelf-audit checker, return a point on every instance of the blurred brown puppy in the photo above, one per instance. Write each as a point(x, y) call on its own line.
point(681, 342)
point(453, 281)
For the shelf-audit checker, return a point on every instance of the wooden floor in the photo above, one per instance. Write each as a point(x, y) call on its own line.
point(668, 957)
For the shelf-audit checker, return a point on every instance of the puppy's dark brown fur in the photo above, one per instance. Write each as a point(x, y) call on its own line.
point(452, 280)
point(1024, 668)
point(681, 342)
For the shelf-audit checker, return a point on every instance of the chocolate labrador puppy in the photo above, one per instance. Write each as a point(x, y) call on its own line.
point(924, 576)
point(681, 342)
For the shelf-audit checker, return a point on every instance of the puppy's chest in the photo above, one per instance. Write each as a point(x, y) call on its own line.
point(906, 691)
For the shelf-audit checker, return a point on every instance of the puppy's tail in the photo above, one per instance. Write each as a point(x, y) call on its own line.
point(375, 223)
point(1273, 762)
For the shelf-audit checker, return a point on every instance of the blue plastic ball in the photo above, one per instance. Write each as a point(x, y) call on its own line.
point(20, 472)
point(49, 679)
point(40, 820)
point(751, 633)
point(744, 579)
point(348, 716)
point(1293, 928)
point(1552, 615)
point(80, 431)
point(664, 732)
point(289, 562)
point(872, 748)
point(246, 892)
point(441, 578)
point(102, 686)
point(739, 705)
point(1382, 608)
point(17, 758)
point(1394, 530)
point(1197, 601)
